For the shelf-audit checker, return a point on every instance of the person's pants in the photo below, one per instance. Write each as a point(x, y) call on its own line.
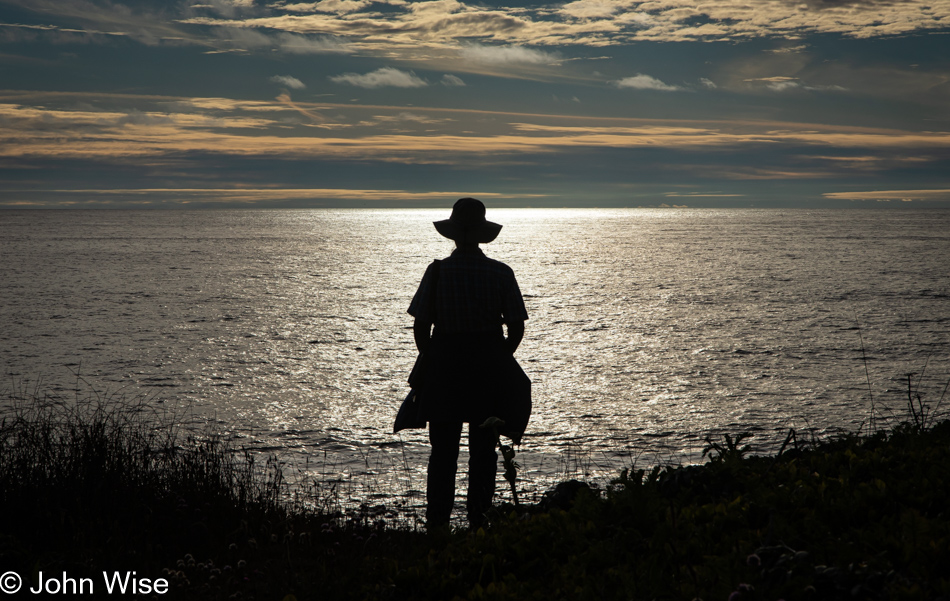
point(443, 463)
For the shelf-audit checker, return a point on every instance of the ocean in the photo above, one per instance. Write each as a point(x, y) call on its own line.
point(649, 329)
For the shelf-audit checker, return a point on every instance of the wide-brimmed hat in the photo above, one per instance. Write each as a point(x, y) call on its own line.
point(468, 220)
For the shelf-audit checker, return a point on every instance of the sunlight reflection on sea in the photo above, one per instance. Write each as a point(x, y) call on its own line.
point(649, 328)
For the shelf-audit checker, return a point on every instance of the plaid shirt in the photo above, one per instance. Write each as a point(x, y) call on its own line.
point(474, 294)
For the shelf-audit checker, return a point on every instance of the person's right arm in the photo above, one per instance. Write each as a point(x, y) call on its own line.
point(515, 335)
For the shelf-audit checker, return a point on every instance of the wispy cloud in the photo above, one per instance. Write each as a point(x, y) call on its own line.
point(210, 196)
point(506, 54)
point(408, 116)
point(780, 84)
point(384, 77)
point(107, 17)
point(302, 44)
point(452, 81)
point(591, 9)
point(441, 23)
point(646, 82)
point(788, 49)
point(198, 142)
point(237, 129)
point(404, 27)
point(308, 112)
point(783, 83)
point(227, 8)
point(831, 88)
point(701, 195)
point(18, 32)
point(887, 195)
point(289, 81)
point(340, 7)
point(235, 38)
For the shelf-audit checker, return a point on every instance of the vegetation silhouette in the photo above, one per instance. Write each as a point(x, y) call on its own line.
point(99, 483)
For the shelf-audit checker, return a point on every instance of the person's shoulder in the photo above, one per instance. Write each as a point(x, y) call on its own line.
point(432, 269)
point(500, 267)
point(496, 262)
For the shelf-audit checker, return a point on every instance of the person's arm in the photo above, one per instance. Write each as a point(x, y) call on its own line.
point(515, 335)
point(421, 333)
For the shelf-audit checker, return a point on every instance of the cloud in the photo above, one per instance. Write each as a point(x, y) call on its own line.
point(286, 100)
point(340, 7)
point(781, 86)
point(384, 77)
point(887, 195)
point(100, 21)
point(832, 88)
point(700, 195)
point(243, 39)
point(590, 9)
point(407, 116)
point(708, 83)
point(291, 43)
point(400, 27)
point(301, 44)
point(452, 81)
point(220, 127)
point(506, 55)
point(645, 82)
point(778, 83)
point(21, 123)
point(18, 32)
point(250, 196)
point(136, 117)
point(782, 83)
point(227, 7)
point(289, 81)
point(788, 49)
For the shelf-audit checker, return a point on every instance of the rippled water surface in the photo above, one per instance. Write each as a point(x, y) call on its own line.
point(648, 329)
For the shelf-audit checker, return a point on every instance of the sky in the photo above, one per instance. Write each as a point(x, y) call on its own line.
point(391, 103)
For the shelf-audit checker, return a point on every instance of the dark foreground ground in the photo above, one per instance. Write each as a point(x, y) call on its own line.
point(106, 489)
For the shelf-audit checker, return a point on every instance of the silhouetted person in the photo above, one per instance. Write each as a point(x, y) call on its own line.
point(467, 354)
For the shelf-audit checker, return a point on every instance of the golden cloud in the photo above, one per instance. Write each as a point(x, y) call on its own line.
point(231, 128)
point(886, 195)
point(442, 23)
point(410, 29)
point(241, 195)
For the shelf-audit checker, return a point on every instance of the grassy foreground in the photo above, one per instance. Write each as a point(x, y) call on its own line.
point(108, 487)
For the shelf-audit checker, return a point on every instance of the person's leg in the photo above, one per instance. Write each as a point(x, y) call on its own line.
point(482, 467)
point(443, 463)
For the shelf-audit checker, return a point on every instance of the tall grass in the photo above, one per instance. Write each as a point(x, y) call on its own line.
point(106, 478)
point(91, 483)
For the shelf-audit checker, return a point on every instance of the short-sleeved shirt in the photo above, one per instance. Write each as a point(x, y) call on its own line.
point(474, 294)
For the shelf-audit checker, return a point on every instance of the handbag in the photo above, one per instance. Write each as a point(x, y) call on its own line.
point(408, 415)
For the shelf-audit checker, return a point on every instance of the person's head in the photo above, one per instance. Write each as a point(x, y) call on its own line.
point(467, 224)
